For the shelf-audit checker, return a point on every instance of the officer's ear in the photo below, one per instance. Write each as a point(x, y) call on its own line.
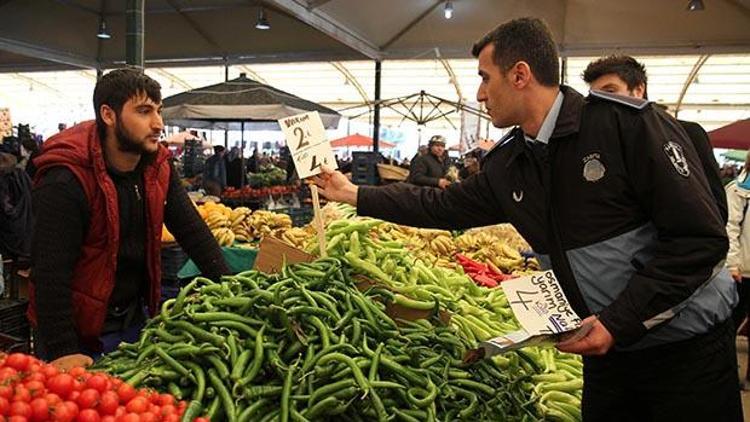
point(520, 74)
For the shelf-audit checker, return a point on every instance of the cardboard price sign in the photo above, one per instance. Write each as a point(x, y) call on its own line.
point(306, 138)
point(540, 305)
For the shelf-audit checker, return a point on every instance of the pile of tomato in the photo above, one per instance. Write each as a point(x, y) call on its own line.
point(33, 391)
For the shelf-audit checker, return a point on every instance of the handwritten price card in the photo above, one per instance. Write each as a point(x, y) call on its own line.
point(306, 138)
point(540, 305)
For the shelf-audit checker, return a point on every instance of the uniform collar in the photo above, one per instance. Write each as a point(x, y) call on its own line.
point(569, 119)
point(550, 121)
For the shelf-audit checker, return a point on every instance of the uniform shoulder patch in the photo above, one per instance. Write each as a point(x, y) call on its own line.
point(636, 103)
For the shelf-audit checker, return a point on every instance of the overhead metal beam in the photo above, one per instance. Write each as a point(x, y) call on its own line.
point(411, 25)
point(352, 80)
point(45, 53)
point(314, 4)
point(451, 75)
point(196, 27)
point(691, 77)
point(173, 78)
point(36, 82)
point(254, 75)
point(329, 26)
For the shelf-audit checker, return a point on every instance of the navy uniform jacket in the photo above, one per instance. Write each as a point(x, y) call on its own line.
point(617, 205)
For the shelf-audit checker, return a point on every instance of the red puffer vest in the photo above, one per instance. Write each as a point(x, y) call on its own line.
point(79, 149)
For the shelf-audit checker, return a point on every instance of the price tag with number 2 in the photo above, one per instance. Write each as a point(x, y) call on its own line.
point(306, 138)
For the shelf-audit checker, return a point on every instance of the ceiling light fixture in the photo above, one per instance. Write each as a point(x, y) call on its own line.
point(103, 34)
point(695, 6)
point(448, 9)
point(262, 20)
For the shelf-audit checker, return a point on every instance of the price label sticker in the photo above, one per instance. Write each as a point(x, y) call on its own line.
point(309, 147)
point(540, 305)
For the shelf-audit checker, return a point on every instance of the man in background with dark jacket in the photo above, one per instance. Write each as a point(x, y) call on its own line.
point(430, 169)
point(624, 75)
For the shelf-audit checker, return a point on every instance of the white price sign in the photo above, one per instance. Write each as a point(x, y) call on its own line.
point(306, 138)
point(540, 305)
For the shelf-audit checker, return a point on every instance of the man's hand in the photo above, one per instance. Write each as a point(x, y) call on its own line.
point(336, 187)
point(598, 341)
point(443, 183)
point(736, 275)
point(68, 362)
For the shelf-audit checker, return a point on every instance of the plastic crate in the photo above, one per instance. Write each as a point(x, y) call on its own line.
point(13, 344)
point(172, 260)
point(300, 216)
point(13, 320)
point(365, 168)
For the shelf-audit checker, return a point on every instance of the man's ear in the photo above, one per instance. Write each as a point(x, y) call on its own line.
point(520, 74)
point(639, 91)
point(108, 115)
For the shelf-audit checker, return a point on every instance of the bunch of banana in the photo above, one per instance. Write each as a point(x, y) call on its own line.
point(216, 220)
point(266, 223)
point(238, 225)
point(485, 247)
point(295, 236)
point(505, 233)
point(224, 236)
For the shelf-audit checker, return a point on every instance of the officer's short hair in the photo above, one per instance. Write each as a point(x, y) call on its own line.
point(118, 86)
point(528, 40)
point(630, 70)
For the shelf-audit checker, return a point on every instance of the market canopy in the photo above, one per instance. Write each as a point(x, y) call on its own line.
point(359, 141)
point(240, 102)
point(39, 34)
point(732, 136)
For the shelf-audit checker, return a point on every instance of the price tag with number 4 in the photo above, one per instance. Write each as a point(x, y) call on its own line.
point(306, 138)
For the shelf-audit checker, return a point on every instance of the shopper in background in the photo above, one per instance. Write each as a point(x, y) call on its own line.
point(612, 196)
point(738, 258)
point(215, 175)
point(234, 168)
point(470, 168)
point(430, 169)
point(101, 192)
point(624, 75)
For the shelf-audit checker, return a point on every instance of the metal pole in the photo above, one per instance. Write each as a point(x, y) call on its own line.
point(134, 33)
point(226, 78)
point(564, 71)
point(242, 155)
point(376, 128)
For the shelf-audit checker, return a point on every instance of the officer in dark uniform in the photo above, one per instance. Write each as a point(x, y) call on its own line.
point(610, 193)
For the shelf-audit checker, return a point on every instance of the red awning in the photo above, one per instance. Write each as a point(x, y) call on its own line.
point(357, 140)
point(732, 136)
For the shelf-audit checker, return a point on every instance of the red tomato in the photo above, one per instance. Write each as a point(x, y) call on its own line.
point(131, 417)
point(6, 391)
point(36, 376)
point(61, 384)
point(126, 392)
point(168, 410)
point(88, 415)
point(22, 394)
point(77, 371)
point(108, 418)
point(36, 388)
point(88, 399)
point(4, 406)
point(7, 373)
point(39, 410)
point(20, 408)
point(17, 419)
point(120, 411)
point(149, 417)
point(73, 407)
point(171, 418)
point(52, 399)
point(201, 419)
point(116, 382)
point(98, 382)
point(49, 371)
point(62, 413)
point(34, 366)
point(165, 399)
point(108, 403)
point(137, 405)
point(18, 361)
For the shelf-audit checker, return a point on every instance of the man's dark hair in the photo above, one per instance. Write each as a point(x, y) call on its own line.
point(528, 40)
point(218, 149)
point(118, 86)
point(632, 72)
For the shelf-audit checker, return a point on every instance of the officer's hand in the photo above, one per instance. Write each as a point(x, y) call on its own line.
point(68, 362)
point(736, 275)
point(336, 187)
point(598, 341)
point(443, 183)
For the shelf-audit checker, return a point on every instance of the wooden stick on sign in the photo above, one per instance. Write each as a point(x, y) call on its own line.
point(318, 220)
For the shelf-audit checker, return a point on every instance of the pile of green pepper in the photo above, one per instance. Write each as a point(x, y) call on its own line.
point(307, 345)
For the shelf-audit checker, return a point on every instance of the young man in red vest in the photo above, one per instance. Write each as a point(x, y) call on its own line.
point(101, 193)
